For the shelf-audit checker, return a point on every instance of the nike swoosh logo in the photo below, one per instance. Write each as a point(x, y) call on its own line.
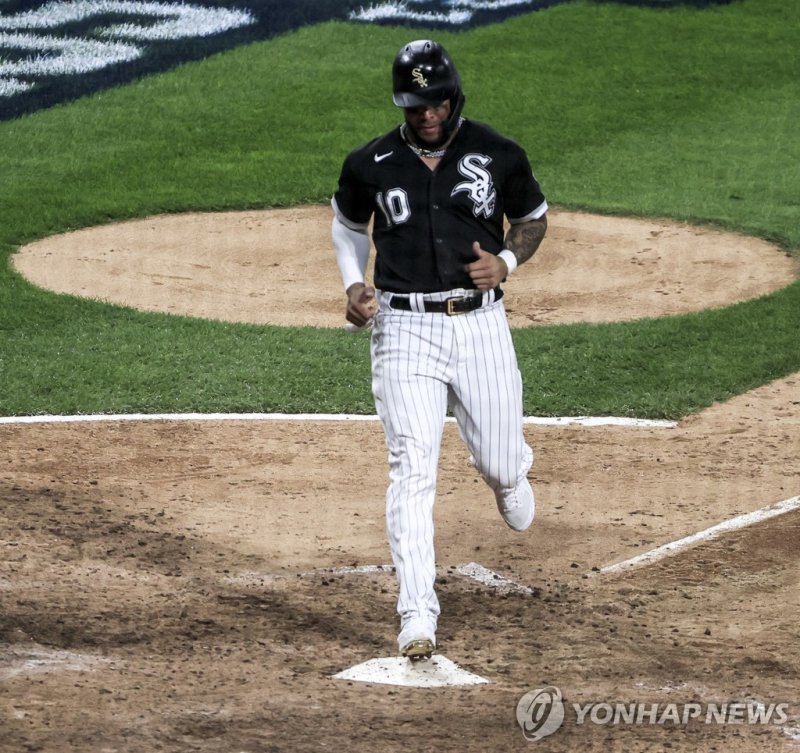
point(381, 157)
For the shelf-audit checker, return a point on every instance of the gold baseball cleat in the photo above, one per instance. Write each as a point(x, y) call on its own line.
point(419, 650)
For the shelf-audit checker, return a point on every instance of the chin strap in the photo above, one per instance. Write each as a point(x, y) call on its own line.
point(455, 119)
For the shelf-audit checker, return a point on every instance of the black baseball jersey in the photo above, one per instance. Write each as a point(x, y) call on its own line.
point(425, 221)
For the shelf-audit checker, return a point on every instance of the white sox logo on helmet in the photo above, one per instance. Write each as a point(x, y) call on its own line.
point(419, 78)
point(479, 188)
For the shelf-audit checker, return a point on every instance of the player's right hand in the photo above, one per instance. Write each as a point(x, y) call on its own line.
point(361, 304)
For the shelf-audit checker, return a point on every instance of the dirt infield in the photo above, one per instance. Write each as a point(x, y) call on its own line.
point(277, 267)
point(172, 586)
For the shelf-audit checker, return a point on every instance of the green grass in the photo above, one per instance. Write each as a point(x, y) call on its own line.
point(127, 363)
point(672, 113)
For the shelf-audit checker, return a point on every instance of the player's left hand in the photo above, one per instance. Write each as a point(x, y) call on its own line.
point(488, 271)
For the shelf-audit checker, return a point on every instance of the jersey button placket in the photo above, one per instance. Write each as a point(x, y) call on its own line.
point(433, 218)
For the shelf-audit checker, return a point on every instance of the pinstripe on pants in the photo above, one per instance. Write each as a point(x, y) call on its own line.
point(421, 364)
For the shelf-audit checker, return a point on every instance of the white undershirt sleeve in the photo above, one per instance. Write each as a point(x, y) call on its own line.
point(352, 251)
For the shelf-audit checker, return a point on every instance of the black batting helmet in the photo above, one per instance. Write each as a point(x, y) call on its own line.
point(424, 74)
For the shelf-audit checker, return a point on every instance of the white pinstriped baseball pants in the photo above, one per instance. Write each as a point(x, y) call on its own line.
point(421, 364)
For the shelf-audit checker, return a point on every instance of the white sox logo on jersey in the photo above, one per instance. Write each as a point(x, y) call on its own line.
point(479, 188)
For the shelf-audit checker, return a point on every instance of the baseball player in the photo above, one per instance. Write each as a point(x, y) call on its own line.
point(436, 189)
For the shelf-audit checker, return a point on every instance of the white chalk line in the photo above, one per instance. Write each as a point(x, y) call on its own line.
point(256, 578)
point(732, 524)
point(113, 417)
point(793, 733)
point(472, 570)
point(491, 579)
point(25, 659)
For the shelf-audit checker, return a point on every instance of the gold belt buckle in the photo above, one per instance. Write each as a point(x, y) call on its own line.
point(451, 302)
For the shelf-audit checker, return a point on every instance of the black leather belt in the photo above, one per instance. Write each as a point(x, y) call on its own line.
point(460, 304)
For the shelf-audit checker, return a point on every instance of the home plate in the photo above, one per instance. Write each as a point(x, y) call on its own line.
point(436, 672)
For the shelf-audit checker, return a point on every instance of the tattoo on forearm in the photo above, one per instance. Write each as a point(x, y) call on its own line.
point(523, 239)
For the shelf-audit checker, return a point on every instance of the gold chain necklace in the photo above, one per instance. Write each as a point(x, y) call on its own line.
point(420, 151)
